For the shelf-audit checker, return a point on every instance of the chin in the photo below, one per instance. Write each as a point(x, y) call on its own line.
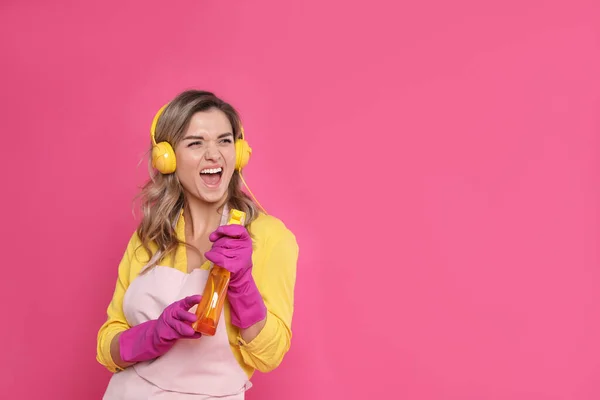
point(212, 200)
point(211, 197)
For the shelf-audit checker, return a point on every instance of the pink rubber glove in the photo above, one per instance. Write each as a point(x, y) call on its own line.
point(154, 338)
point(232, 250)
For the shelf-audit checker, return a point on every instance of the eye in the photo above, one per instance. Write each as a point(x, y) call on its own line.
point(196, 143)
point(226, 141)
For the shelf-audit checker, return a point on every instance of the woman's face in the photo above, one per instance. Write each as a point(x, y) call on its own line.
point(206, 156)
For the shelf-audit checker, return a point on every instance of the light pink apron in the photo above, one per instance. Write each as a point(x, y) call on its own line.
point(194, 369)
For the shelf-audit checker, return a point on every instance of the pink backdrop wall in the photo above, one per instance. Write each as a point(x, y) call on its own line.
point(438, 162)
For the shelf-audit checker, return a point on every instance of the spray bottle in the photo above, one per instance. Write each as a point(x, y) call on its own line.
point(213, 299)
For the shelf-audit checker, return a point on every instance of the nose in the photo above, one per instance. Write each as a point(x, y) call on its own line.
point(212, 152)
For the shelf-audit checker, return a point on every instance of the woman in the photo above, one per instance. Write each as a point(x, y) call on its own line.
point(147, 340)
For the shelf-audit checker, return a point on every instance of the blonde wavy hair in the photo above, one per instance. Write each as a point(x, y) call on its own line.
point(162, 197)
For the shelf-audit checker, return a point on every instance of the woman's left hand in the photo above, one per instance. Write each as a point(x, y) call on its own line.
point(232, 250)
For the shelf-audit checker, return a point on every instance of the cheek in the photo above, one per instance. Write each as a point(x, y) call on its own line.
point(187, 165)
point(229, 156)
point(187, 158)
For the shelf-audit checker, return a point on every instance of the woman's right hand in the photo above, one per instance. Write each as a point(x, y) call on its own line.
point(154, 338)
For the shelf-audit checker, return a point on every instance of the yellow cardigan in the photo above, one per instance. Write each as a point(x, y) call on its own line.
point(275, 254)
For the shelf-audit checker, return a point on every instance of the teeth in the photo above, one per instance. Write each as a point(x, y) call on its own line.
point(211, 170)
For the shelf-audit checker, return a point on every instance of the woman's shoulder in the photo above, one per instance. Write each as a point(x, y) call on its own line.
point(269, 230)
point(138, 254)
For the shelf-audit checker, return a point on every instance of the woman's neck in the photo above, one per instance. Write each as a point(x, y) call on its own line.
point(202, 218)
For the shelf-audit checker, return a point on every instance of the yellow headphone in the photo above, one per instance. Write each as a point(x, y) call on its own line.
point(163, 155)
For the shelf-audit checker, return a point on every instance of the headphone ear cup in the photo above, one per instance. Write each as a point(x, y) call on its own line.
point(163, 158)
point(242, 154)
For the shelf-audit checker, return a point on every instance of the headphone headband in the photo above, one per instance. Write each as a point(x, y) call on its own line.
point(154, 122)
point(161, 111)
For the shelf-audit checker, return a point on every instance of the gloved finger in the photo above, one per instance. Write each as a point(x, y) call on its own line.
point(232, 231)
point(182, 328)
point(216, 257)
point(189, 302)
point(185, 316)
point(230, 244)
point(170, 333)
point(220, 258)
point(225, 251)
point(196, 335)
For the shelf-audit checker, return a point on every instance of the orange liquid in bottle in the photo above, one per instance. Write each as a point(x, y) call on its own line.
point(210, 307)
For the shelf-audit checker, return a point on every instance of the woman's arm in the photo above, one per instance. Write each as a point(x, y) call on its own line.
point(251, 332)
point(264, 344)
point(115, 353)
point(107, 348)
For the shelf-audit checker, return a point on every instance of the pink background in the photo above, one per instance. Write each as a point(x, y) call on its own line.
point(437, 160)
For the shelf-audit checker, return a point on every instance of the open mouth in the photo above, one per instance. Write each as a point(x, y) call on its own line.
point(211, 176)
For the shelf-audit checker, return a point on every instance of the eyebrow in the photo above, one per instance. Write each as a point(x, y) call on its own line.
point(194, 137)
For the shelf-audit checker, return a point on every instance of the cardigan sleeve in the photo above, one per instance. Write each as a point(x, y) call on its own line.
point(275, 280)
point(116, 321)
